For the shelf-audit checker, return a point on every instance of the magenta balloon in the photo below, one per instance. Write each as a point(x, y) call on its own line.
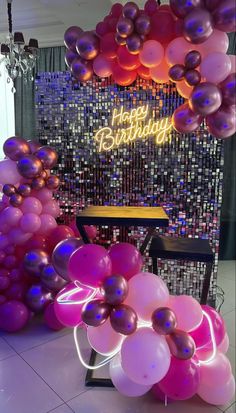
point(181, 345)
point(217, 322)
point(183, 7)
point(124, 319)
point(16, 147)
point(130, 10)
point(225, 16)
point(177, 72)
point(185, 120)
point(30, 222)
point(71, 36)
point(48, 156)
point(164, 320)
point(51, 319)
point(198, 26)
point(87, 46)
point(143, 24)
point(192, 77)
point(116, 10)
point(95, 312)
point(12, 216)
point(90, 265)
point(228, 89)
point(37, 298)
point(35, 261)
point(182, 379)
point(115, 289)
point(81, 70)
point(13, 316)
point(192, 59)
point(202, 335)
point(70, 56)
point(51, 280)
point(126, 259)
point(205, 99)
point(29, 166)
point(124, 27)
point(102, 66)
point(150, 7)
point(134, 44)
point(222, 124)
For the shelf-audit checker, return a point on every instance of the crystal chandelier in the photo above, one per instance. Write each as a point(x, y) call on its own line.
point(19, 59)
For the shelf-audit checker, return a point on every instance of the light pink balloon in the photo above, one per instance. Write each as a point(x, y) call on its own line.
point(216, 372)
point(188, 311)
point(31, 204)
point(145, 356)
point(224, 345)
point(104, 339)
point(146, 293)
point(47, 224)
point(233, 63)
point(44, 195)
point(11, 216)
point(215, 67)
point(30, 222)
point(151, 54)
point(102, 66)
point(177, 50)
point(183, 89)
point(122, 382)
point(51, 208)
point(160, 73)
point(218, 395)
point(8, 172)
point(217, 42)
point(18, 237)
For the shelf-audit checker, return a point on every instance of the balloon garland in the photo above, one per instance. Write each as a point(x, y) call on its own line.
point(181, 43)
point(171, 345)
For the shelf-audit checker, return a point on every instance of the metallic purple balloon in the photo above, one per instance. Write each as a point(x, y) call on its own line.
point(192, 59)
point(176, 73)
point(228, 89)
point(34, 146)
point(222, 124)
point(192, 77)
point(87, 46)
point(124, 27)
point(134, 44)
point(120, 40)
point(15, 148)
point(95, 313)
point(8, 189)
point(185, 120)
point(51, 280)
point(225, 16)
point(38, 183)
point(205, 99)
point(53, 182)
point(115, 289)
point(29, 166)
point(16, 200)
point(198, 26)
point(211, 4)
point(24, 190)
point(164, 320)
point(62, 253)
point(183, 7)
point(130, 10)
point(71, 36)
point(48, 156)
point(34, 261)
point(70, 56)
point(143, 24)
point(181, 344)
point(37, 298)
point(124, 319)
point(81, 70)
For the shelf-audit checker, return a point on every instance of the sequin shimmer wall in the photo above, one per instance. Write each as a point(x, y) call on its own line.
point(183, 174)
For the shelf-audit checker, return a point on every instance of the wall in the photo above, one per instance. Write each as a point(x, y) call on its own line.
point(7, 116)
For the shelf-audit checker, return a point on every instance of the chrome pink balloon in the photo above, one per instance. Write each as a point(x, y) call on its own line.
point(87, 45)
point(16, 147)
point(130, 10)
point(222, 124)
point(192, 77)
point(9, 189)
point(198, 26)
point(134, 44)
point(205, 99)
point(37, 298)
point(184, 120)
point(35, 261)
point(124, 27)
point(143, 24)
point(181, 345)
point(71, 36)
point(228, 89)
point(48, 156)
point(62, 254)
point(123, 319)
point(164, 320)
point(81, 70)
point(225, 16)
point(192, 59)
point(29, 166)
point(177, 72)
point(115, 289)
point(95, 312)
point(183, 7)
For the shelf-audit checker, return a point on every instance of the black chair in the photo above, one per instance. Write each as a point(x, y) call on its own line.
point(188, 249)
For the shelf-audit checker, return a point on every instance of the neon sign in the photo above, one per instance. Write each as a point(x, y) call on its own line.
point(128, 126)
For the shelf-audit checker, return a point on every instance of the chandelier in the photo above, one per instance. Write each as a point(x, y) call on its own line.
point(18, 58)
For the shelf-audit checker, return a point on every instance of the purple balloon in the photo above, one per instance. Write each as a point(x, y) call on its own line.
point(35, 261)
point(198, 26)
point(192, 77)
point(206, 98)
point(48, 156)
point(176, 73)
point(192, 59)
point(164, 320)
point(124, 27)
point(130, 10)
point(95, 313)
point(24, 189)
point(71, 36)
point(115, 289)
point(143, 24)
point(29, 166)
point(222, 124)
point(9, 189)
point(70, 56)
point(62, 253)
point(181, 344)
point(225, 16)
point(134, 44)
point(37, 298)
point(185, 120)
point(16, 147)
point(51, 280)
point(124, 319)
point(87, 46)
point(13, 316)
point(228, 89)
point(183, 7)
point(81, 70)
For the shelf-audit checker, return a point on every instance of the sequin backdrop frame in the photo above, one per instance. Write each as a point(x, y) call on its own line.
point(184, 175)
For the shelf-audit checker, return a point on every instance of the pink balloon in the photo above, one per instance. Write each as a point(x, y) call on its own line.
point(44, 195)
point(51, 319)
point(11, 216)
point(90, 265)
point(126, 259)
point(160, 73)
point(13, 316)
point(4, 225)
point(91, 230)
point(30, 222)
point(146, 293)
point(48, 223)
point(8, 172)
point(222, 67)
point(151, 54)
point(216, 372)
point(187, 310)
point(52, 208)
point(31, 204)
point(102, 66)
point(183, 89)
point(122, 382)
point(217, 42)
point(104, 338)
point(70, 314)
point(18, 237)
point(218, 395)
point(233, 63)
point(177, 49)
point(145, 356)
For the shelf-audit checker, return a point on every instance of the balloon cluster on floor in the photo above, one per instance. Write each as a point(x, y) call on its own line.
point(171, 345)
point(181, 43)
point(31, 241)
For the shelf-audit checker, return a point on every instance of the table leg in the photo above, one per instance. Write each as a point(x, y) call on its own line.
point(149, 235)
point(83, 233)
point(91, 381)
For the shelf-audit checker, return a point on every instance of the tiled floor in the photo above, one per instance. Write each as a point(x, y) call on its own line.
point(40, 371)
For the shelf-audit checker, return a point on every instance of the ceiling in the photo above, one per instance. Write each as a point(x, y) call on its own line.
point(47, 20)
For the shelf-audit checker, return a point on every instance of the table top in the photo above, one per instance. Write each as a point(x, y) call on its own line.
point(123, 216)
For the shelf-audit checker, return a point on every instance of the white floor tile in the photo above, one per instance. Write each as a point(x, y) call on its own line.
point(228, 287)
point(227, 269)
point(230, 324)
point(58, 364)
point(231, 409)
point(22, 391)
point(5, 350)
point(62, 409)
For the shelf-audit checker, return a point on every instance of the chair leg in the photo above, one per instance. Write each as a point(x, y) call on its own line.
point(206, 283)
point(154, 265)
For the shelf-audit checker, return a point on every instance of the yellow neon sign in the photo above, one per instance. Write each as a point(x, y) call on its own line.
point(134, 127)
